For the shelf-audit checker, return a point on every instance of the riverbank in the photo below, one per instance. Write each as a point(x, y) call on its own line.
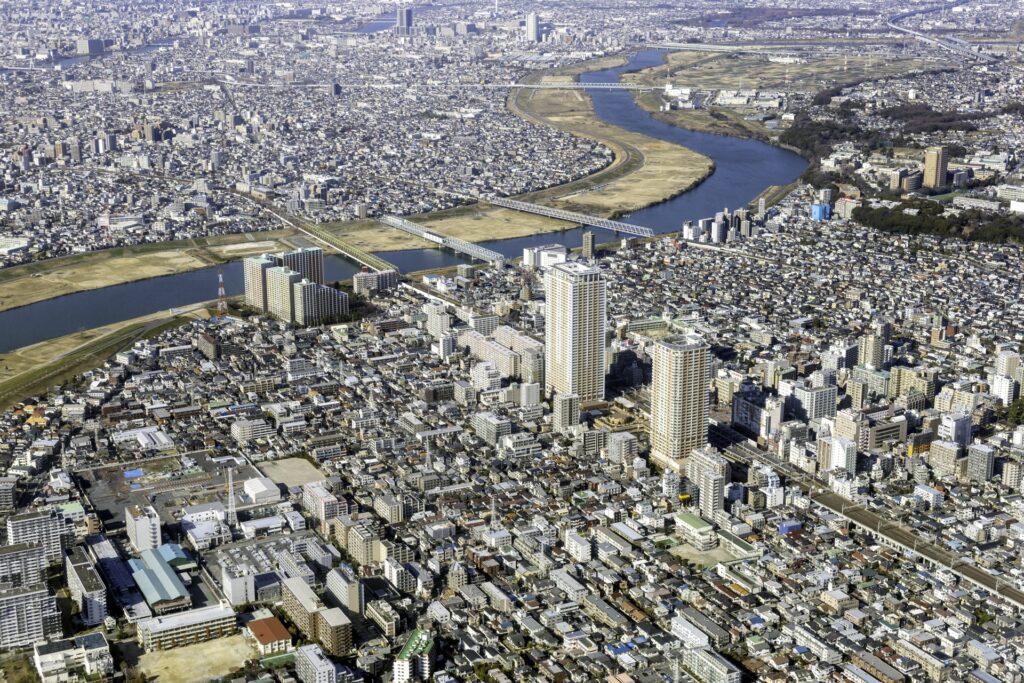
point(644, 171)
point(32, 369)
point(42, 280)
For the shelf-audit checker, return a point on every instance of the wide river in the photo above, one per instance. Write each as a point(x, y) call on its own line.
point(743, 169)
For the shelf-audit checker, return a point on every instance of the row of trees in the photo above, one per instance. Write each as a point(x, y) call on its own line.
point(931, 219)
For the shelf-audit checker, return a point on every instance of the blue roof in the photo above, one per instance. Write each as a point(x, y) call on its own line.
point(156, 579)
point(174, 554)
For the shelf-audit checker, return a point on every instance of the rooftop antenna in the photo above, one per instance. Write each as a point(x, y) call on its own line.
point(222, 297)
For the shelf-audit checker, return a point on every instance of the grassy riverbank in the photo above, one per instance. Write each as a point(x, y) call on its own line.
point(23, 285)
point(33, 369)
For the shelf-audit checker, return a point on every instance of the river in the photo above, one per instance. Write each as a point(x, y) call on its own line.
point(743, 169)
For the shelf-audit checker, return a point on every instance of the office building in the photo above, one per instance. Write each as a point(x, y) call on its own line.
point(936, 164)
point(811, 403)
point(47, 528)
point(574, 350)
point(403, 20)
point(238, 584)
point(143, 527)
point(956, 427)
point(28, 615)
point(679, 398)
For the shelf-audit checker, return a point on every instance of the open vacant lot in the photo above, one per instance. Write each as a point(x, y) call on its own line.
point(291, 471)
point(195, 663)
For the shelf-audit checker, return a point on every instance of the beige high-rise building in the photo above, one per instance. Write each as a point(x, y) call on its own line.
point(574, 348)
point(255, 270)
point(936, 164)
point(679, 397)
point(280, 294)
point(589, 249)
point(871, 349)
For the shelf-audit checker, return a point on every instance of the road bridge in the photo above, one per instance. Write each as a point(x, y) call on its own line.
point(572, 217)
point(457, 245)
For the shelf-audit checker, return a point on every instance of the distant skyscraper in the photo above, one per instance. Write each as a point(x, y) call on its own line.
point(533, 27)
point(574, 348)
point(679, 397)
point(871, 351)
point(588, 245)
point(936, 163)
point(404, 19)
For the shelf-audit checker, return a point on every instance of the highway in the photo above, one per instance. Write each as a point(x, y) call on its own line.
point(895, 534)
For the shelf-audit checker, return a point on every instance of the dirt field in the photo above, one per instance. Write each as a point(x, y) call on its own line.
point(291, 471)
point(702, 558)
point(196, 663)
